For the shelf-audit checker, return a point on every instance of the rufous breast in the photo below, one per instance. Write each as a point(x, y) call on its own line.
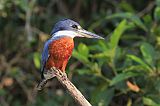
point(60, 50)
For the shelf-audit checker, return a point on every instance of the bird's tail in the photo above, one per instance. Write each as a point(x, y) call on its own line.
point(41, 85)
point(46, 75)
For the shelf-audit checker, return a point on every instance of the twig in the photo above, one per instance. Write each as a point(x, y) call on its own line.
point(27, 25)
point(148, 8)
point(73, 91)
point(28, 19)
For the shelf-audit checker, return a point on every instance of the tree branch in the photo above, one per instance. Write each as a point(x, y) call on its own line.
point(73, 91)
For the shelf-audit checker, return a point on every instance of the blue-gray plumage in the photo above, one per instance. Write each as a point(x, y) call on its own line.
point(58, 49)
point(64, 24)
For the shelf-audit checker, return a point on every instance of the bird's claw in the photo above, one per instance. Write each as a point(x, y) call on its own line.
point(64, 76)
point(49, 74)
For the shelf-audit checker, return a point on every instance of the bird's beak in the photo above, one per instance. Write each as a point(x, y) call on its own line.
point(87, 34)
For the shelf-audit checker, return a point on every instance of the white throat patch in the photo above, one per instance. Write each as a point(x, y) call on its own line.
point(71, 34)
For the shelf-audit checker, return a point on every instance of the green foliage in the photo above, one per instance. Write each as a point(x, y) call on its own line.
point(132, 17)
point(122, 76)
point(150, 102)
point(82, 53)
point(101, 69)
point(157, 14)
point(117, 34)
point(148, 53)
point(102, 95)
point(36, 59)
point(140, 61)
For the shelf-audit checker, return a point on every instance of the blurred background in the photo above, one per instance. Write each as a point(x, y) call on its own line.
point(122, 70)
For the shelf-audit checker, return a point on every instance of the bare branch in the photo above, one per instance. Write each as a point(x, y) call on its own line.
point(147, 9)
point(73, 91)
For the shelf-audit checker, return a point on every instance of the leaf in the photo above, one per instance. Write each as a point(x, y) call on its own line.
point(149, 102)
point(148, 20)
point(84, 71)
point(82, 53)
point(102, 44)
point(157, 14)
point(123, 76)
point(158, 2)
point(130, 16)
point(110, 49)
point(94, 70)
point(148, 53)
point(126, 6)
point(114, 39)
point(36, 59)
point(140, 61)
point(134, 67)
point(103, 54)
point(83, 49)
point(24, 4)
point(80, 57)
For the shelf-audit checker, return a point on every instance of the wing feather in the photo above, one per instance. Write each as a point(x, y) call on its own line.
point(45, 53)
point(45, 56)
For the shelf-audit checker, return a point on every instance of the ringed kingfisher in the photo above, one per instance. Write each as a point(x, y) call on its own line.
point(58, 49)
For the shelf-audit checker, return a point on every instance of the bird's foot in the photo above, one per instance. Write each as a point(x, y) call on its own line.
point(59, 73)
point(49, 74)
point(64, 76)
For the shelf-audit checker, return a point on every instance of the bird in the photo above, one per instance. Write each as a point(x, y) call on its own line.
point(58, 49)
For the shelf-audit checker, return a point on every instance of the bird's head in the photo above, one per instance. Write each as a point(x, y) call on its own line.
point(67, 27)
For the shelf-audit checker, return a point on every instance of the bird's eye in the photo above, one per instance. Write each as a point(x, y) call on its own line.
point(74, 26)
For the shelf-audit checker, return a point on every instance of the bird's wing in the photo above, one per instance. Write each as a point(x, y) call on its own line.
point(45, 55)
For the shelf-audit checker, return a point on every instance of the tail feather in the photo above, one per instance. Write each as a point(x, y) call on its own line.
point(41, 85)
point(46, 75)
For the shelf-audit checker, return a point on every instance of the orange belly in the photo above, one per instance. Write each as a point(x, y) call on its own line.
point(60, 51)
